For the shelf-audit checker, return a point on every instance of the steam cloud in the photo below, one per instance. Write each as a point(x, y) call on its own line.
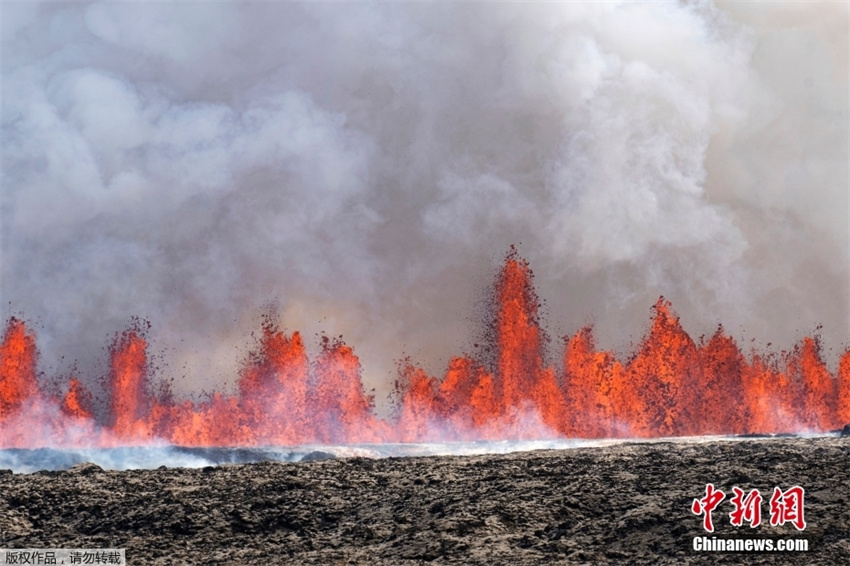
point(362, 166)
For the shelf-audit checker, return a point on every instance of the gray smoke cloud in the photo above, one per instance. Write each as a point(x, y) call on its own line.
point(364, 167)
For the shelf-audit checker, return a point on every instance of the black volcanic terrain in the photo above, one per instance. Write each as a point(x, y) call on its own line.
point(623, 504)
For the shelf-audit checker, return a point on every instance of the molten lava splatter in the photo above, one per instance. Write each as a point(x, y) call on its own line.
point(670, 386)
point(18, 356)
point(131, 402)
point(77, 403)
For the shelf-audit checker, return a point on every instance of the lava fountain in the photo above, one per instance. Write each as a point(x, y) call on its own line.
point(670, 386)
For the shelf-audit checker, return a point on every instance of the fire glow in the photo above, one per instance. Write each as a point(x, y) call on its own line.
point(671, 386)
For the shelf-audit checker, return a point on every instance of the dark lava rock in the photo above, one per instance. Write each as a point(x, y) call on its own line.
point(85, 469)
point(846, 430)
point(317, 455)
point(620, 504)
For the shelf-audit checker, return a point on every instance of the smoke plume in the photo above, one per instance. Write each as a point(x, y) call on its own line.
point(363, 167)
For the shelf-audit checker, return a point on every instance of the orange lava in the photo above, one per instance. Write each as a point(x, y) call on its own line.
point(77, 402)
point(670, 386)
point(129, 378)
point(18, 356)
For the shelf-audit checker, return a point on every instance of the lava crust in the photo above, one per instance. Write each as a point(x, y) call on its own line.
point(623, 504)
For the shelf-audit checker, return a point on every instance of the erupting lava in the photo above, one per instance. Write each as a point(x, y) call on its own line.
point(671, 386)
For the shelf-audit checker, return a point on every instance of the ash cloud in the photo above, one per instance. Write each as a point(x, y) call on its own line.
point(363, 166)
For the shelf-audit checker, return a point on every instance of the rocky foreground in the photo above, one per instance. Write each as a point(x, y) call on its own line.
point(624, 504)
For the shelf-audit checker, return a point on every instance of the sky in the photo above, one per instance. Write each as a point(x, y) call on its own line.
point(361, 169)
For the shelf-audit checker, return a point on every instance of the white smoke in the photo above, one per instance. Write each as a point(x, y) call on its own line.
point(153, 456)
point(364, 165)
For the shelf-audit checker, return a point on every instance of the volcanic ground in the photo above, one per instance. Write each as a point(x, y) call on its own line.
point(624, 504)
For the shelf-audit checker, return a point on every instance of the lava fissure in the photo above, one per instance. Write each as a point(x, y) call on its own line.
point(672, 386)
